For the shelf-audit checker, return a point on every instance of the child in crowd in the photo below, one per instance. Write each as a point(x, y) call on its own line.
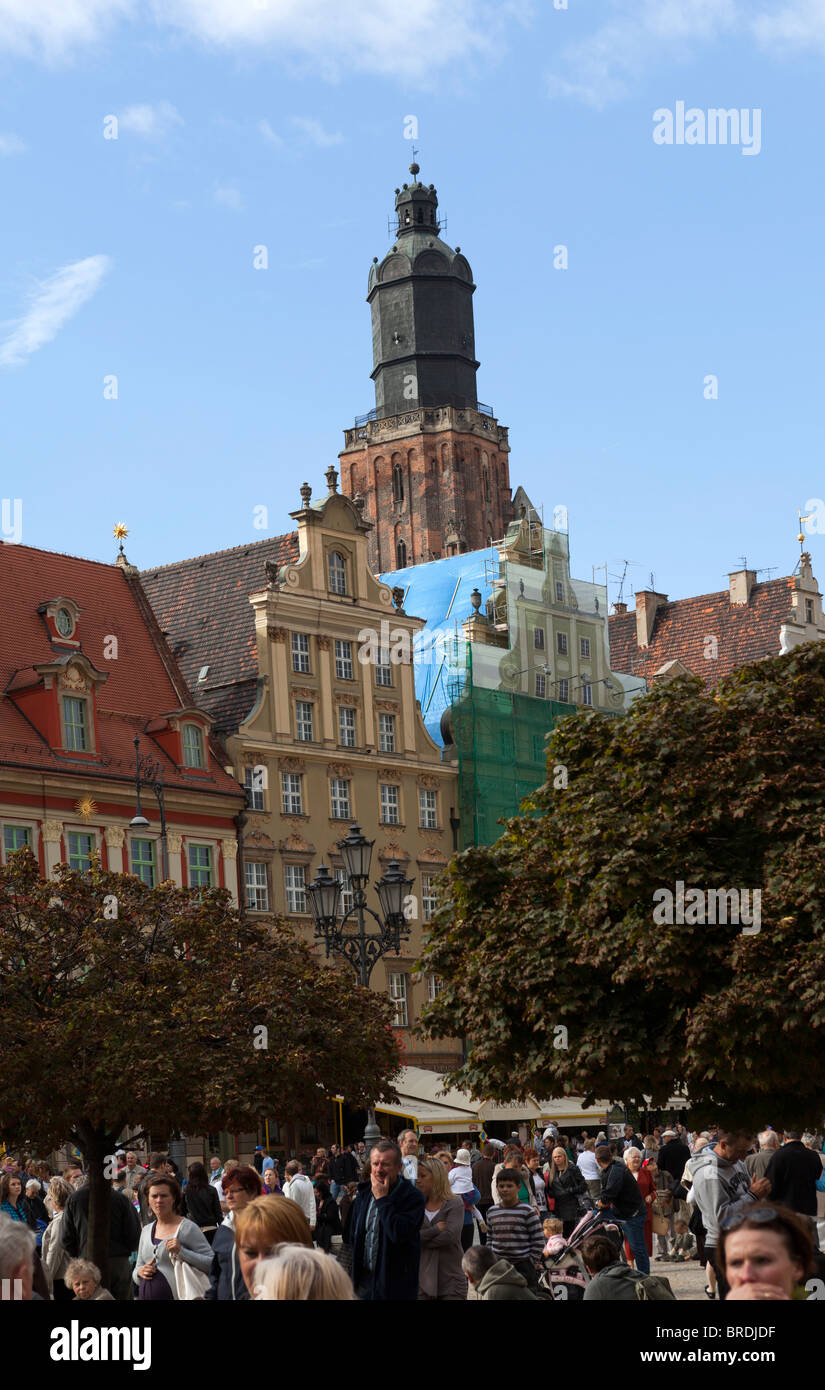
point(684, 1243)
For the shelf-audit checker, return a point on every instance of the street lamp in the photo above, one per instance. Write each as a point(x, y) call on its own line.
point(348, 936)
point(150, 774)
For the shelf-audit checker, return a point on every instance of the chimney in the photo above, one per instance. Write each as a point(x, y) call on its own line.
point(620, 608)
point(647, 603)
point(741, 582)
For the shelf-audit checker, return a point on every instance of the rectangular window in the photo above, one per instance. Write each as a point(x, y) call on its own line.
point(584, 648)
point(295, 883)
point(434, 988)
point(74, 719)
point(15, 837)
point(257, 892)
point(346, 727)
point(559, 591)
point(564, 692)
point(390, 805)
point(398, 995)
point(809, 610)
point(561, 643)
point(200, 866)
point(143, 861)
point(343, 661)
point(303, 721)
point(429, 897)
point(339, 798)
point(428, 809)
point(587, 693)
point(347, 897)
point(80, 851)
point(538, 638)
point(253, 778)
point(300, 652)
point(541, 685)
point(292, 798)
point(386, 733)
point(383, 671)
point(192, 746)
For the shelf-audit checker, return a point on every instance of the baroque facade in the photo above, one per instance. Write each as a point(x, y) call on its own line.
point(329, 732)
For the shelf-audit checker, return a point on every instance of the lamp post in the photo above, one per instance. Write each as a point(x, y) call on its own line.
point(348, 936)
point(150, 774)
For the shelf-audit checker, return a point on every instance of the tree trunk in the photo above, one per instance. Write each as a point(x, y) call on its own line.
point(96, 1146)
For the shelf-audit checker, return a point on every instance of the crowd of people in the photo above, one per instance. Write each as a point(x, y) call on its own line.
point(558, 1218)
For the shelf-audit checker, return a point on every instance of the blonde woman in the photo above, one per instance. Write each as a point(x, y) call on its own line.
point(264, 1224)
point(440, 1275)
point(53, 1254)
point(298, 1273)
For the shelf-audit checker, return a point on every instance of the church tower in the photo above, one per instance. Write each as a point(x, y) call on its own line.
point(430, 462)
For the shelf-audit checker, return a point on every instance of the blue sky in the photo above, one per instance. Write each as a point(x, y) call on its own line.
point(281, 123)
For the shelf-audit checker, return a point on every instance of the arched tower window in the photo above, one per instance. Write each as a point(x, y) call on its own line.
point(337, 573)
point(401, 556)
point(397, 483)
point(485, 484)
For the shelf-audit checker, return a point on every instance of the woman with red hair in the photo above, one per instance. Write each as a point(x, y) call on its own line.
point(240, 1186)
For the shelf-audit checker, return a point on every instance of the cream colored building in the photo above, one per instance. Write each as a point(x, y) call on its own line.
point(325, 739)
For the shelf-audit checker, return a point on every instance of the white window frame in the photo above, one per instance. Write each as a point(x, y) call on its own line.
point(390, 803)
point(256, 892)
point(541, 686)
point(347, 724)
point(427, 808)
point(398, 995)
point(304, 722)
point(587, 694)
point(386, 733)
point(340, 803)
point(300, 653)
point(255, 795)
point(434, 987)
point(346, 899)
point(383, 669)
point(538, 639)
point(337, 572)
point(584, 648)
point(292, 794)
point(344, 669)
point(429, 898)
point(559, 591)
point(561, 643)
point(295, 888)
point(564, 691)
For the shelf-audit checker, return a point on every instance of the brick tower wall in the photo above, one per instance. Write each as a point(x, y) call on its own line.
point(454, 474)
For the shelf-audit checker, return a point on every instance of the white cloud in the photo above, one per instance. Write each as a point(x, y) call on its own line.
point(51, 304)
point(269, 134)
point(229, 197)
point(11, 144)
point(315, 133)
point(152, 122)
point(334, 36)
point(640, 35)
point(51, 29)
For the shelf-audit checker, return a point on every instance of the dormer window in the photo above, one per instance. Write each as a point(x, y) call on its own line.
point(337, 573)
point(64, 622)
point(192, 746)
point(61, 616)
point(75, 724)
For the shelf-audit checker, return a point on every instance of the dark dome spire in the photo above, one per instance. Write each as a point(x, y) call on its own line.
point(416, 206)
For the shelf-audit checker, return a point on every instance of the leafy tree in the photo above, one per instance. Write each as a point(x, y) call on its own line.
point(553, 926)
point(122, 1004)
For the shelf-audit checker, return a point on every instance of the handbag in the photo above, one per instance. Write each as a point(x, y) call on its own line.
point(659, 1222)
point(190, 1283)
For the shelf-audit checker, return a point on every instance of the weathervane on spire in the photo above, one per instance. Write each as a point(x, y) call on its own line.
point(801, 536)
point(415, 167)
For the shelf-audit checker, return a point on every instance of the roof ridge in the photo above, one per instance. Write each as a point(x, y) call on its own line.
point(64, 554)
point(714, 593)
point(211, 554)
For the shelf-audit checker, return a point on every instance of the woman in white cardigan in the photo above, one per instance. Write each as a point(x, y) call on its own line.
point(53, 1255)
point(167, 1235)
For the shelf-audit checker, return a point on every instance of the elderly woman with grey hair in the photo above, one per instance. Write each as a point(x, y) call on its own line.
point(17, 1256)
point(83, 1278)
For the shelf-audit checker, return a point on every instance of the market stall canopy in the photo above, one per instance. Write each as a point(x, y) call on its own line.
point(433, 1108)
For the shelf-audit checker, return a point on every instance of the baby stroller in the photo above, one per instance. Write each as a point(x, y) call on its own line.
point(565, 1275)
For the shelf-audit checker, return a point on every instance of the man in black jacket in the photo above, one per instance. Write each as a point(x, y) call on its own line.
point(620, 1196)
point(673, 1155)
point(793, 1174)
point(343, 1168)
point(385, 1230)
point(124, 1235)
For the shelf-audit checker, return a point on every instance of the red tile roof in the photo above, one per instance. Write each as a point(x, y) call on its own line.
point(203, 605)
point(744, 632)
point(142, 683)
